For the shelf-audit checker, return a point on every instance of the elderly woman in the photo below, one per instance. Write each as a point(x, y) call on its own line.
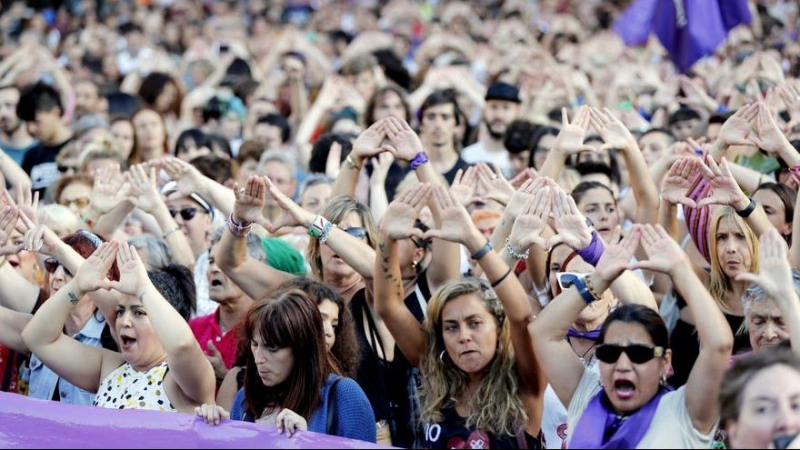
point(771, 303)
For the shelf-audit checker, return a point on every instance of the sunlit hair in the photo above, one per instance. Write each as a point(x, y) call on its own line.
point(288, 320)
point(59, 218)
point(495, 406)
point(721, 283)
point(336, 210)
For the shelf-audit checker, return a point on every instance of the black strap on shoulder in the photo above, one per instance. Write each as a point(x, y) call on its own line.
point(332, 425)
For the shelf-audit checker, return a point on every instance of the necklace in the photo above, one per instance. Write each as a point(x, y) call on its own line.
point(582, 357)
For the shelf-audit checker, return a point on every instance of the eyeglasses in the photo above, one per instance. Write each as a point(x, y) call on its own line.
point(80, 203)
point(637, 353)
point(65, 169)
point(567, 279)
point(357, 232)
point(52, 264)
point(186, 213)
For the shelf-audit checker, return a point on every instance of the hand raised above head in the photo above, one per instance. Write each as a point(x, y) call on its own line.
point(398, 221)
point(456, 224)
point(664, 254)
point(775, 273)
point(132, 273)
point(405, 143)
point(737, 130)
point(9, 215)
point(250, 200)
point(570, 137)
point(571, 226)
point(676, 184)
point(93, 273)
point(724, 188)
point(292, 214)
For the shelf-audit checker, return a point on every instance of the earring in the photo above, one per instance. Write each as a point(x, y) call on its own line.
point(663, 381)
point(441, 357)
point(414, 264)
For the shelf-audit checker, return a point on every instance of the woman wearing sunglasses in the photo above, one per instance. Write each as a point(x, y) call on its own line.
point(482, 384)
point(19, 299)
point(160, 365)
point(628, 404)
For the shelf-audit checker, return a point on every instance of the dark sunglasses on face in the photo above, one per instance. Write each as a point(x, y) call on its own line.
point(186, 213)
point(637, 353)
point(357, 232)
point(52, 264)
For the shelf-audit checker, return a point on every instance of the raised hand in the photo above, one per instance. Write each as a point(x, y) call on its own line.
point(405, 144)
point(456, 226)
point(678, 181)
point(614, 133)
point(289, 422)
point(617, 255)
point(516, 205)
point(724, 188)
point(212, 414)
point(529, 226)
point(570, 137)
point(28, 204)
point(775, 273)
point(571, 227)
point(8, 221)
point(143, 192)
point(381, 165)
point(770, 138)
point(664, 254)
point(132, 272)
point(492, 180)
point(41, 239)
point(293, 215)
point(464, 185)
point(186, 175)
point(737, 129)
point(250, 200)
point(398, 221)
point(109, 190)
point(369, 141)
point(93, 273)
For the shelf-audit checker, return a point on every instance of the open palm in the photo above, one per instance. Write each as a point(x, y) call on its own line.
point(249, 200)
point(775, 274)
point(663, 252)
point(398, 221)
point(678, 181)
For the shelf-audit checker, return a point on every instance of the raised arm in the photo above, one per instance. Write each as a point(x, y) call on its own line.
point(16, 293)
point(458, 227)
point(568, 142)
point(253, 277)
point(190, 179)
point(775, 278)
point(617, 136)
point(80, 364)
point(355, 252)
point(397, 224)
point(716, 340)
point(187, 362)
point(559, 362)
point(11, 325)
point(367, 145)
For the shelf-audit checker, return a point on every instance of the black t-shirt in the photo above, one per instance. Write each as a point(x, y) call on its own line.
point(40, 164)
point(450, 175)
point(452, 432)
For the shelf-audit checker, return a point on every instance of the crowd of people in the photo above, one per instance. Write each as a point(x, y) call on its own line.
point(426, 224)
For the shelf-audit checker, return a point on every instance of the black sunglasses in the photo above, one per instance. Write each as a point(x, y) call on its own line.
point(52, 264)
point(357, 232)
point(186, 213)
point(637, 353)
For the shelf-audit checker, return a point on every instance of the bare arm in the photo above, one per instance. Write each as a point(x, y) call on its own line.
point(11, 325)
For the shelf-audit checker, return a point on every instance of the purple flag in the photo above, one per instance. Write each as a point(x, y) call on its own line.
point(688, 29)
point(32, 423)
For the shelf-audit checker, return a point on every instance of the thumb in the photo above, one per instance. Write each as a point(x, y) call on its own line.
point(688, 202)
point(417, 233)
point(645, 265)
point(432, 233)
point(555, 240)
point(706, 202)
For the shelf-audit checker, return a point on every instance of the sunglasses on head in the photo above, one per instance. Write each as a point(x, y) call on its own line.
point(637, 353)
point(52, 264)
point(359, 233)
point(567, 279)
point(186, 213)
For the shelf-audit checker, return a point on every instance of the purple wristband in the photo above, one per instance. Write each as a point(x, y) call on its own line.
point(419, 159)
point(592, 253)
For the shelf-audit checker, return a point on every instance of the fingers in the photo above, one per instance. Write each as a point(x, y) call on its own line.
point(211, 414)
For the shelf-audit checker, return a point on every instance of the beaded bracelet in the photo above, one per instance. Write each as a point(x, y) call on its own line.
point(590, 287)
point(238, 229)
point(514, 253)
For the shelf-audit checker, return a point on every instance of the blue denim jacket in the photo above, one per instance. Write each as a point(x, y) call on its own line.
point(43, 381)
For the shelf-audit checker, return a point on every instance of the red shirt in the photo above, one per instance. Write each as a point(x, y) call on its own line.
point(206, 328)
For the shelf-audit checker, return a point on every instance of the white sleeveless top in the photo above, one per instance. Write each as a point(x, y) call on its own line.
point(125, 388)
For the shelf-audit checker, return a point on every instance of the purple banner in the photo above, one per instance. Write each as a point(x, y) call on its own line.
point(32, 423)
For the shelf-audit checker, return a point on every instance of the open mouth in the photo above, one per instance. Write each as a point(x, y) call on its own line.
point(127, 341)
point(624, 389)
point(216, 283)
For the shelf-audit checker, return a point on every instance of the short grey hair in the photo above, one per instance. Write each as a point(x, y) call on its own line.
point(281, 156)
point(255, 249)
point(755, 293)
point(314, 179)
point(156, 249)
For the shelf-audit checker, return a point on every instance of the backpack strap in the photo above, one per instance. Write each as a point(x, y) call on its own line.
point(332, 425)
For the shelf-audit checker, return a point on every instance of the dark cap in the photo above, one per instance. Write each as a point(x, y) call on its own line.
point(503, 91)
